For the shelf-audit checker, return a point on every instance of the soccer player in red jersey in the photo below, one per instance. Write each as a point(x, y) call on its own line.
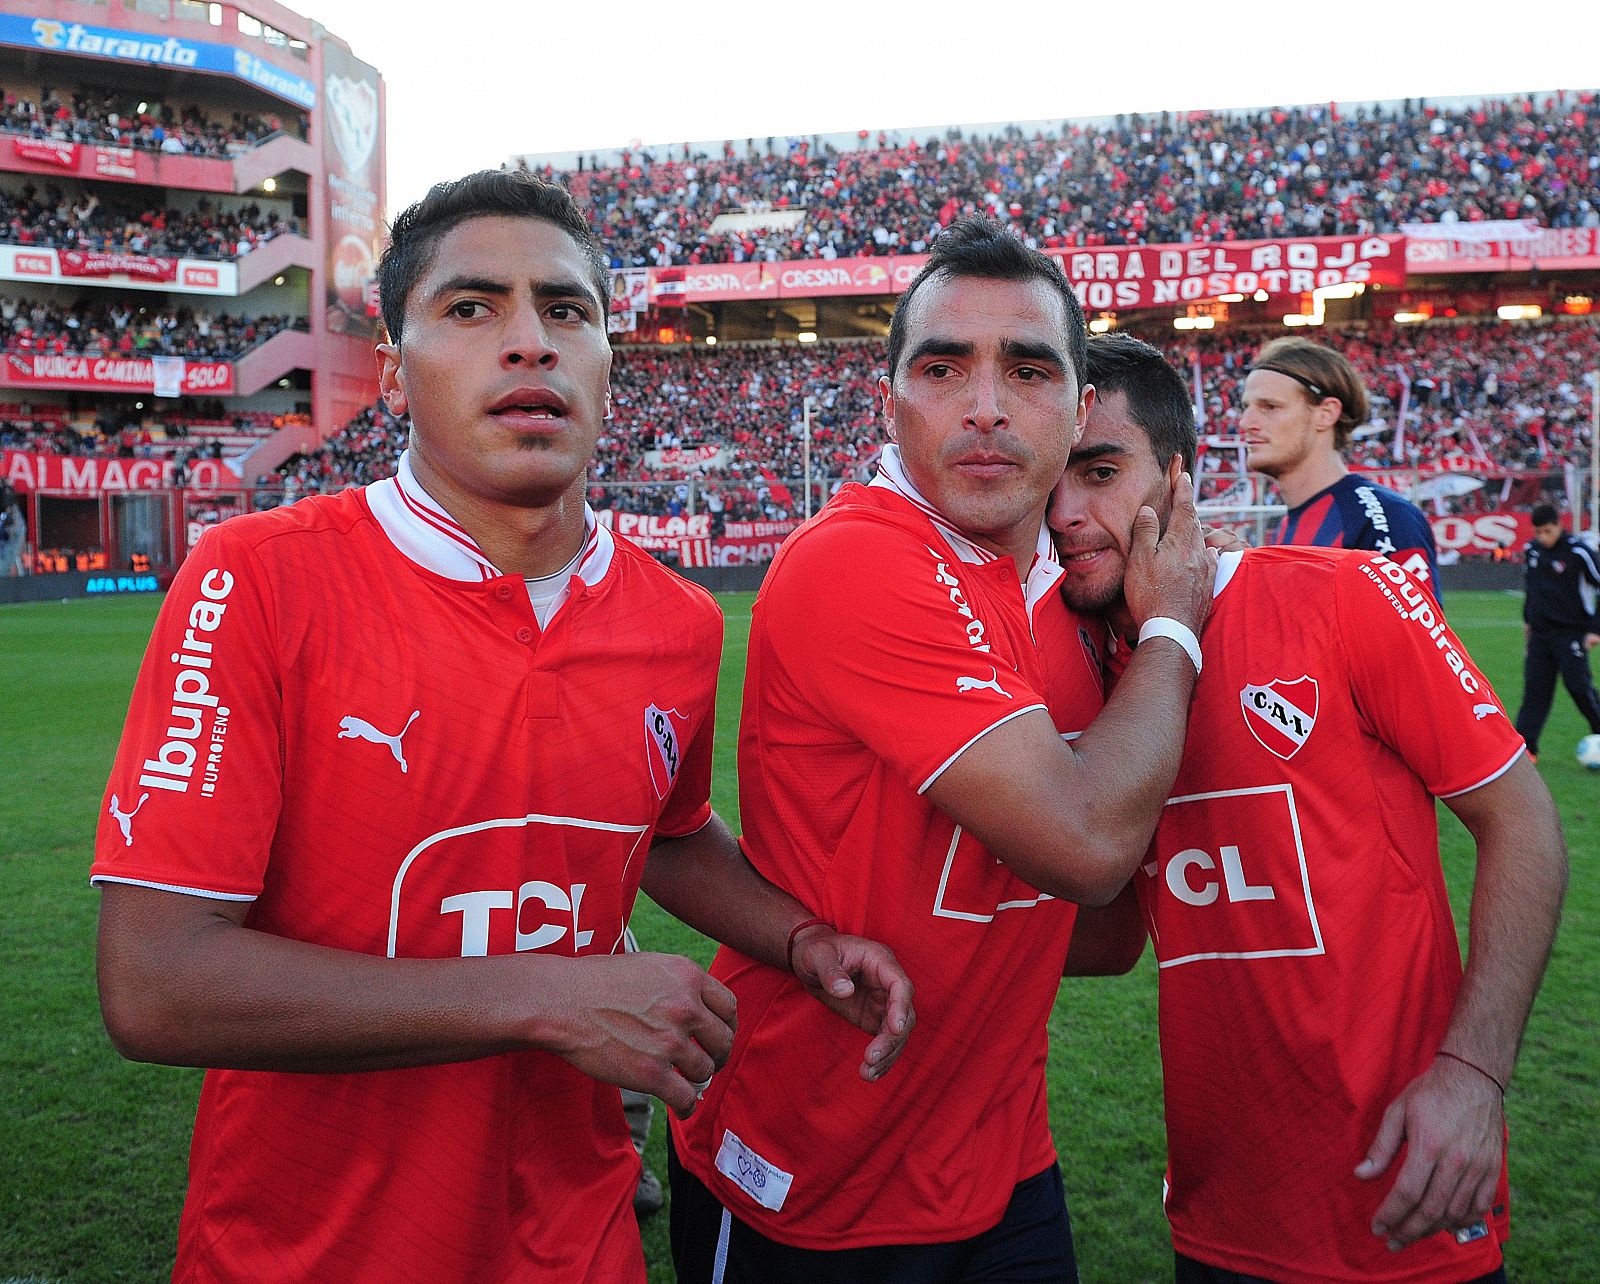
point(1302, 401)
point(1315, 1021)
point(923, 759)
point(396, 764)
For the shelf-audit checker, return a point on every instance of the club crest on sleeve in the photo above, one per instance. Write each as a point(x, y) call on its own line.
point(663, 746)
point(1280, 713)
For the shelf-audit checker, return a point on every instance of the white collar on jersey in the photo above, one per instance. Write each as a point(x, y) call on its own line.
point(1227, 567)
point(421, 529)
point(1042, 576)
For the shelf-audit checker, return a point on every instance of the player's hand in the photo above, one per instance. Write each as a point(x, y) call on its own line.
point(1590, 641)
point(1170, 573)
point(1220, 539)
point(654, 1023)
point(864, 983)
point(1451, 1121)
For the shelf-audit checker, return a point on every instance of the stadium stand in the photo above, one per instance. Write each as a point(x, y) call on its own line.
point(1500, 394)
point(119, 117)
point(52, 218)
point(1139, 179)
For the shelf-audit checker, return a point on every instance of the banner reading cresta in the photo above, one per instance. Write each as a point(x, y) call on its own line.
point(1123, 277)
point(111, 374)
point(54, 36)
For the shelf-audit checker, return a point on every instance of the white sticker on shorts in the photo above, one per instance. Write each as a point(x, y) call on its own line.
point(765, 1183)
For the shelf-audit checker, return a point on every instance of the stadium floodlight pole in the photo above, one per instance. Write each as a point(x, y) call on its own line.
point(805, 452)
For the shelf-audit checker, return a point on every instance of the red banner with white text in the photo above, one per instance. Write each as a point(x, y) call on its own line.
point(1505, 246)
point(113, 374)
point(145, 267)
point(92, 475)
point(1125, 277)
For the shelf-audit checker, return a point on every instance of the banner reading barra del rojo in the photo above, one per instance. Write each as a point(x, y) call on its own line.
point(1105, 277)
point(119, 374)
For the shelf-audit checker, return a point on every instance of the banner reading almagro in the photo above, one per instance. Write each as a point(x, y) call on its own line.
point(115, 374)
point(1125, 277)
point(91, 475)
point(352, 130)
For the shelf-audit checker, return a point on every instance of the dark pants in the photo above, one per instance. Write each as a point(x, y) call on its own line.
point(1551, 652)
point(1031, 1245)
point(1189, 1271)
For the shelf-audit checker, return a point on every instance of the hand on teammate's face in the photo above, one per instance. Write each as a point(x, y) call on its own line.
point(1170, 573)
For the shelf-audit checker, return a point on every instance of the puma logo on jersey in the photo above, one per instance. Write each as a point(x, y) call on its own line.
point(124, 819)
point(991, 683)
point(1482, 711)
point(353, 728)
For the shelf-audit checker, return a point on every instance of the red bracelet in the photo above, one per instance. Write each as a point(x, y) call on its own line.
point(795, 931)
point(1472, 1065)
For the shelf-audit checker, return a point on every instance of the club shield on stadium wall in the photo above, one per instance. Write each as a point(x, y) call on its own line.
point(352, 130)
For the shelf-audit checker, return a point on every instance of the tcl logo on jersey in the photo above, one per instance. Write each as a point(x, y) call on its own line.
point(1229, 879)
point(504, 886)
point(663, 746)
point(1280, 714)
point(974, 886)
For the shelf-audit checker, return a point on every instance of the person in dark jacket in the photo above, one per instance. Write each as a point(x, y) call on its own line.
point(1559, 614)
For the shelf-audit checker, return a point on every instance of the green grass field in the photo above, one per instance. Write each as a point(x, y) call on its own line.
point(93, 1149)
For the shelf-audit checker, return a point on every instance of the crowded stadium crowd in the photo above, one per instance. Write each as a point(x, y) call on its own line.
point(1508, 394)
point(119, 328)
point(55, 219)
point(1139, 179)
point(118, 118)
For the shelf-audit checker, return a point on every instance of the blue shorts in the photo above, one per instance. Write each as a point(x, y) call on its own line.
point(1031, 1244)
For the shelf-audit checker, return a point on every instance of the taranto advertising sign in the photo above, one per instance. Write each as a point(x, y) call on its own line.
point(55, 36)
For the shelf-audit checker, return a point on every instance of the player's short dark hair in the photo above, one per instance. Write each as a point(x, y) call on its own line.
point(489, 193)
point(1545, 515)
point(1156, 399)
point(1321, 372)
point(981, 248)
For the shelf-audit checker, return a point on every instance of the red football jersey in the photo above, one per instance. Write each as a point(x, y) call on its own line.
point(1308, 959)
point(882, 645)
point(348, 718)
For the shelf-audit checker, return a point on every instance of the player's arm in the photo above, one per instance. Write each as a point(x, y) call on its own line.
point(1451, 1118)
point(184, 982)
point(1107, 941)
point(1074, 820)
point(704, 879)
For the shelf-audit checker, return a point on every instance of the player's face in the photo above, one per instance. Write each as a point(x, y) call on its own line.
point(1281, 426)
point(503, 365)
point(985, 405)
point(1548, 534)
point(1111, 475)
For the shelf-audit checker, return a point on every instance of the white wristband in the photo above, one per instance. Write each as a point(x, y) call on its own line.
point(1164, 626)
